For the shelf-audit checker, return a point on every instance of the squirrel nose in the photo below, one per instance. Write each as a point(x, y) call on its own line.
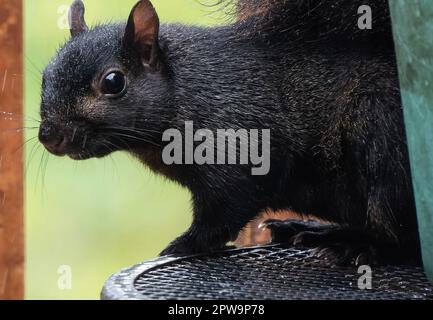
point(52, 138)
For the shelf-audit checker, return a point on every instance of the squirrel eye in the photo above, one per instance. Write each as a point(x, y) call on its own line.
point(113, 84)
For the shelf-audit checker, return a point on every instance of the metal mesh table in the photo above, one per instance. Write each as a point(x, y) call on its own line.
point(261, 273)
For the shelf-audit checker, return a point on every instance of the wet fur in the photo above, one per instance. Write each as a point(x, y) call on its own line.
point(328, 91)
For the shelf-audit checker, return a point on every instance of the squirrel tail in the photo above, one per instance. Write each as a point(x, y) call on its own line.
point(317, 20)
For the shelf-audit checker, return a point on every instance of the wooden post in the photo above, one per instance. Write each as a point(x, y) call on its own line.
point(11, 152)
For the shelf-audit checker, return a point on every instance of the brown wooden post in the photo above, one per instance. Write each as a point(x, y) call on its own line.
point(11, 153)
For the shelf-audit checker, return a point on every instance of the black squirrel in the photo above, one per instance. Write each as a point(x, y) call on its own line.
point(328, 91)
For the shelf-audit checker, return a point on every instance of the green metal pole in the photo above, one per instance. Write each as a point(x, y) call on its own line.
point(413, 34)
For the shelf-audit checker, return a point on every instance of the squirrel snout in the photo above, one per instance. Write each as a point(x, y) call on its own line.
point(53, 139)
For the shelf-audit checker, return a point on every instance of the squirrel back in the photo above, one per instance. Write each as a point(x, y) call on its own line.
point(333, 21)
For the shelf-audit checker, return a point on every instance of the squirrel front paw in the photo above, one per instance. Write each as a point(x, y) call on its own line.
point(337, 245)
point(190, 244)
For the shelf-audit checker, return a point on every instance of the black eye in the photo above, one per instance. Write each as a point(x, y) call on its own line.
point(114, 84)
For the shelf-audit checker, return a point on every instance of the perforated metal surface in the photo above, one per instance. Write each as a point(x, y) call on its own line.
point(271, 272)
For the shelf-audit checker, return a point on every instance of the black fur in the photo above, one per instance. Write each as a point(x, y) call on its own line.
point(328, 91)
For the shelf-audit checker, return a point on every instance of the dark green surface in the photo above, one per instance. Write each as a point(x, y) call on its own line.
point(413, 32)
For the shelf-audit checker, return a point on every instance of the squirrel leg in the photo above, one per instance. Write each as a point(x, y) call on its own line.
point(335, 244)
point(211, 230)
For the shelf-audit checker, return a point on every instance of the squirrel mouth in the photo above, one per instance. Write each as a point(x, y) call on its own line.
point(85, 155)
point(80, 156)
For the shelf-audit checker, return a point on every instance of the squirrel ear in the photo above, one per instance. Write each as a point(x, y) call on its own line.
point(142, 32)
point(77, 23)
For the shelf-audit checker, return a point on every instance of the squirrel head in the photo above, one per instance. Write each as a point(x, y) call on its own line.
point(98, 89)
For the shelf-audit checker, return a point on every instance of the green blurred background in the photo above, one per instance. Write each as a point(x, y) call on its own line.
point(100, 215)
